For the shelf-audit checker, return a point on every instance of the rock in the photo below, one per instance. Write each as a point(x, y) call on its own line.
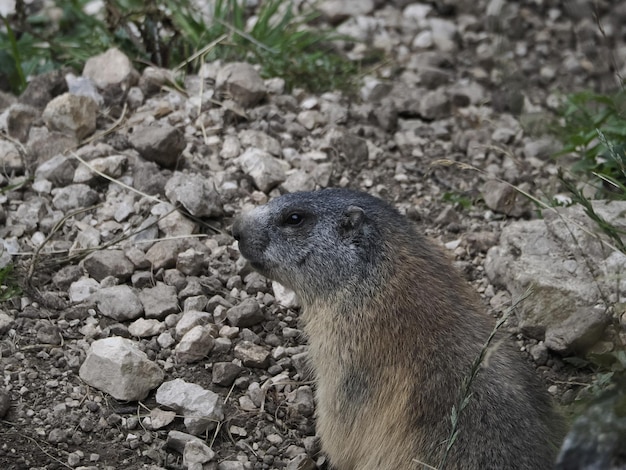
point(252, 355)
point(336, 11)
point(82, 289)
point(195, 345)
point(142, 328)
point(247, 313)
point(159, 301)
point(49, 334)
point(159, 143)
point(10, 158)
point(111, 71)
point(501, 197)
point(201, 408)
point(160, 418)
point(348, 146)
point(242, 83)
point(104, 263)
point(6, 322)
point(163, 254)
point(74, 196)
point(265, 170)
point(195, 193)
point(113, 166)
point(560, 257)
point(41, 89)
point(118, 302)
point(118, 367)
point(303, 402)
point(5, 403)
point(191, 319)
point(444, 34)
point(298, 181)
point(191, 262)
point(284, 296)
point(301, 462)
point(153, 78)
point(177, 440)
point(71, 114)
point(596, 438)
point(44, 144)
point(20, 118)
point(59, 170)
point(260, 140)
point(435, 104)
point(225, 373)
point(197, 453)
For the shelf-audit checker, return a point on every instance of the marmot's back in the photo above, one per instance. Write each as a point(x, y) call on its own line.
point(393, 332)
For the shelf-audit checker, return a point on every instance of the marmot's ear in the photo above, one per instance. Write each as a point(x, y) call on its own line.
point(352, 220)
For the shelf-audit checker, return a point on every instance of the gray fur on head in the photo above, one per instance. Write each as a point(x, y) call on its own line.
point(317, 243)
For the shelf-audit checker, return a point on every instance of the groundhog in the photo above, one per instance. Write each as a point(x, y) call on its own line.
point(393, 332)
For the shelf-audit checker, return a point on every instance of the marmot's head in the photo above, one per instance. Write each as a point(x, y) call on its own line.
point(319, 242)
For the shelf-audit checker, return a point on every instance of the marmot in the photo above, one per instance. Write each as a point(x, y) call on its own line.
point(393, 331)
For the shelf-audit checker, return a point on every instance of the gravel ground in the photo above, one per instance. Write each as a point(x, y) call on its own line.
point(473, 83)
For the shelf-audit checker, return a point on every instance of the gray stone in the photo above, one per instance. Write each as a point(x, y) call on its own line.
point(195, 193)
point(59, 170)
point(284, 296)
point(502, 197)
point(197, 453)
point(159, 143)
point(118, 367)
point(265, 170)
point(336, 11)
point(113, 166)
point(5, 402)
point(163, 254)
point(202, 409)
point(111, 71)
point(298, 180)
point(159, 301)
point(103, 263)
point(444, 34)
point(43, 88)
point(191, 262)
point(145, 328)
point(260, 140)
point(20, 118)
point(172, 222)
point(75, 196)
point(177, 440)
point(10, 158)
point(435, 104)
point(569, 268)
point(302, 401)
point(247, 313)
point(252, 355)
point(225, 373)
point(118, 302)
point(82, 289)
point(6, 322)
point(190, 319)
point(160, 418)
point(301, 462)
point(44, 144)
point(72, 115)
point(195, 345)
point(242, 83)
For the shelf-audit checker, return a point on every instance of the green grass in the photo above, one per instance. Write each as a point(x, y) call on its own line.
point(593, 128)
point(9, 287)
point(167, 33)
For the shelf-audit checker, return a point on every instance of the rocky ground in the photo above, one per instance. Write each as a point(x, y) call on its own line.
point(142, 339)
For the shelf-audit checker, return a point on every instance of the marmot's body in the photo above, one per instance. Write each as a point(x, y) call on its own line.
point(393, 331)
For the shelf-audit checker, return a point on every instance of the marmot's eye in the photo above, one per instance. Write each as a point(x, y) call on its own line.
point(293, 218)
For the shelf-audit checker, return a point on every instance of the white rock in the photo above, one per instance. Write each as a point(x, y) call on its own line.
point(118, 367)
point(195, 345)
point(83, 289)
point(71, 114)
point(284, 296)
point(202, 408)
point(265, 170)
point(144, 328)
point(118, 302)
point(190, 319)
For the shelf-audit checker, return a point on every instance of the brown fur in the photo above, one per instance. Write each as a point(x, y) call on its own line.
point(390, 348)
